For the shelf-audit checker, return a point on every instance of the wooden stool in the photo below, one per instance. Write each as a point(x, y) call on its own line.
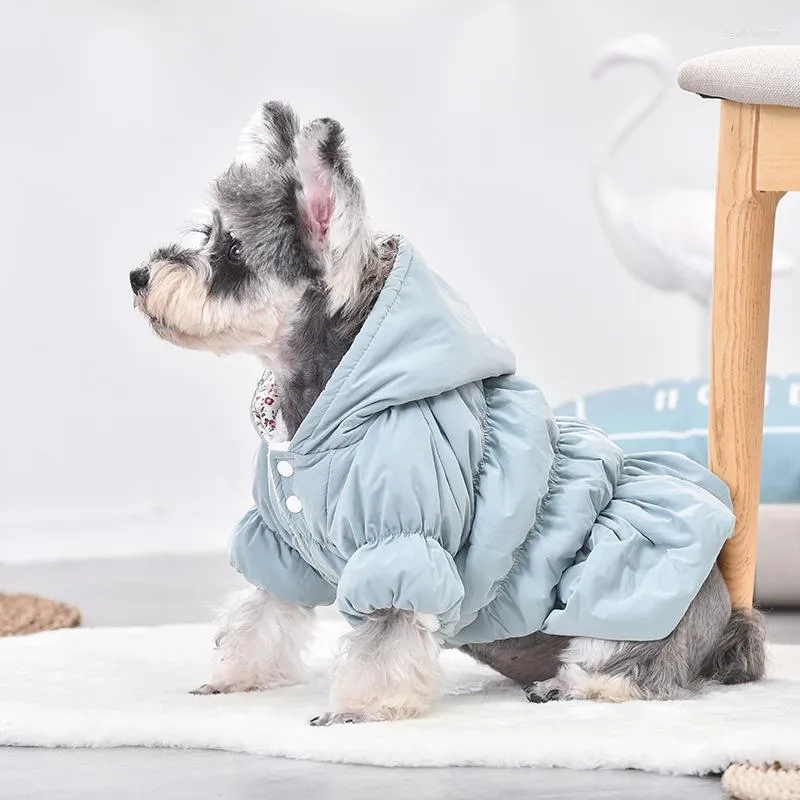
point(759, 161)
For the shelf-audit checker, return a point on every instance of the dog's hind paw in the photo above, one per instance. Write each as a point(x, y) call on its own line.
point(331, 718)
point(543, 692)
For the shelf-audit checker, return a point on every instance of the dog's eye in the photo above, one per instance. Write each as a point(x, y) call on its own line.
point(235, 252)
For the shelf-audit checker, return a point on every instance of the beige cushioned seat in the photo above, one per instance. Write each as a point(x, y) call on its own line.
point(763, 75)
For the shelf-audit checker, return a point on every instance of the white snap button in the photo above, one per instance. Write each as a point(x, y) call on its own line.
point(293, 504)
point(285, 469)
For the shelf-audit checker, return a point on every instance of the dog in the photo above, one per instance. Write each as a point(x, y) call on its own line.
point(288, 269)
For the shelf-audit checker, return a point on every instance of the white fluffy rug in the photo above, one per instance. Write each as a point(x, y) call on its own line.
point(128, 686)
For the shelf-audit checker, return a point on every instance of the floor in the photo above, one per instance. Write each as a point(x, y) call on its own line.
point(168, 589)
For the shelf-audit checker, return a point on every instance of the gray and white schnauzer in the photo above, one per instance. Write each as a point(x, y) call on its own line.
point(290, 271)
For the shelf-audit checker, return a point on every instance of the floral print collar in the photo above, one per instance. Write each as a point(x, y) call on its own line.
point(265, 410)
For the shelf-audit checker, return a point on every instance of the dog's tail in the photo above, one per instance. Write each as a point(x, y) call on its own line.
point(740, 653)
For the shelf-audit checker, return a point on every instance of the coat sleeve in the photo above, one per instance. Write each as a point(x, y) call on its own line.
point(401, 514)
point(266, 561)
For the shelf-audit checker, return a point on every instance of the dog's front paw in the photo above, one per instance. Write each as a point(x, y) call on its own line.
point(370, 714)
point(211, 688)
point(246, 683)
point(332, 718)
point(221, 687)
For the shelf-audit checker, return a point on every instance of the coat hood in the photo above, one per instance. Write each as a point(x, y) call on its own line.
point(419, 341)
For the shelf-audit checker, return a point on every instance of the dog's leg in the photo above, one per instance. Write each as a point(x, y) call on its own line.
point(387, 668)
point(593, 669)
point(259, 644)
point(577, 682)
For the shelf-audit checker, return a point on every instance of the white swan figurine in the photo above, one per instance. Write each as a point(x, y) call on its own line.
point(665, 238)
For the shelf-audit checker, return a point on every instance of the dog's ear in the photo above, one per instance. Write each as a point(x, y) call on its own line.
point(332, 208)
point(329, 186)
point(270, 137)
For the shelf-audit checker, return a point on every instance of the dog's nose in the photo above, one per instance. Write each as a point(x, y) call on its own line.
point(139, 279)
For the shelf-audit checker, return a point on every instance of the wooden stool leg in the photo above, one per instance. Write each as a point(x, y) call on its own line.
point(745, 225)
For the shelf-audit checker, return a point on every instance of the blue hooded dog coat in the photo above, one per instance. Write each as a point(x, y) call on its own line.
point(429, 477)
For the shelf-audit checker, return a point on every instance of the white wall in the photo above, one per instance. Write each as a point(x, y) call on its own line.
point(474, 126)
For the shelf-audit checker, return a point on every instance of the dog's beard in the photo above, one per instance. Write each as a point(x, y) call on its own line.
point(182, 311)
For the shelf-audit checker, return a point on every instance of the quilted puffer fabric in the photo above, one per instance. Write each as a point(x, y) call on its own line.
point(429, 477)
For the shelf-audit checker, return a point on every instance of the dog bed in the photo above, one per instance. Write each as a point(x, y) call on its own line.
point(673, 415)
